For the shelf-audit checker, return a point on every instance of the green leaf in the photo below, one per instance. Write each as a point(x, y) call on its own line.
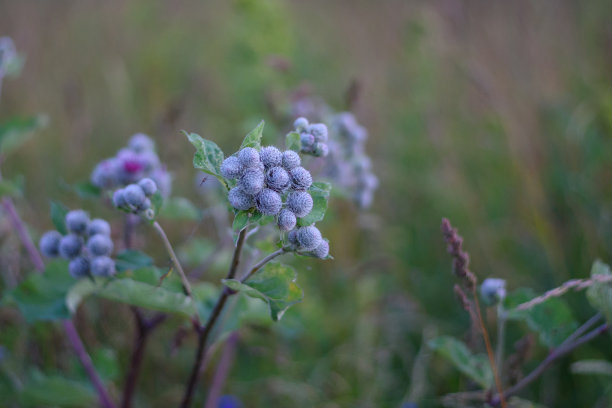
point(208, 157)
point(56, 391)
point(42, 296)
point(552, 320)
point(131, 259)
point(320, 195)
point(253, 139)
point(132, 293)
point(241, 219)
point(600, 294)
point(106, 363)
point(180, 208)
point(274, 284)
point(11, 188)
point(475, 366)
point(17, 131)
point(293, 141)
point(87, 190)
point(58, 216)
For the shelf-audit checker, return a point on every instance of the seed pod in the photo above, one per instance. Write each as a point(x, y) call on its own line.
point(493, 290)
point(98, 226)
point(300, 178)
point(286, 220)
point(70, 246)
point(252, 181)
point(291, 159)
point(300, 124)
point(141, 143)
point(148, 186)
point(231, 168)
point(77, 221)
point(319, 131)
point(100, 245)
point(269, 202)
point(119, 198)
point(270, 156)
point(249, 157)
point(322, 251)
point(292, 237)
point(239, 199)
point(102, 266)
point(134, 196)
point(277, 179)
point(78, 267)
point(308, 141)
point(309, 238)
point(300, 202)
point(49, 244)
point(320, 150)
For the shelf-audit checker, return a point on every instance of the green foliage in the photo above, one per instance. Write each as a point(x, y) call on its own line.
point(320, 195)
point(600, 294)
point(253, 138)
point(552, 320)
point(293, 141)
point(17, 131)
point(475, 366)
point(208, 156)
point(180, 208)
point(87, 190)
point(56, 391)
point(58, 216)
point(42, 296)
point(274, 284)
point(11, 188)
point(131, 259)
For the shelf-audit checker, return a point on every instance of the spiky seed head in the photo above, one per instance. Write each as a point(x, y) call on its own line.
point(231, 168)
point(78, 267)
point(70, 246)
point(249, 157)
point(77, 221)
point(277, 179)
point(149, 160)
point(146, 204)
point(291, 160)
point(292, 237)
point(493, 290)
point(252, 181)
point(322, 251)
point(300, 202)
point(148, 186)
point(134, 196)
point(300, 124)
point(300, 178)
point(239, 199)
point(269, 202)
point(319, 131)
point(100, 245)
point(141, 143)
point(286, 220)
point(119, 198)
point(49, 244)
point(309, 238)
point(104, 175)
point(308, 141)
point(98, 226)
point(102, 266)
point(271, 156)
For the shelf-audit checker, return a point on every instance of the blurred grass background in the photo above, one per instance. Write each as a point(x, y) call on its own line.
point(495, 114)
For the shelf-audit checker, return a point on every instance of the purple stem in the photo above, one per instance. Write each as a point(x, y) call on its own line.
point(223, 369)
point(22, 232)
point(85, 360)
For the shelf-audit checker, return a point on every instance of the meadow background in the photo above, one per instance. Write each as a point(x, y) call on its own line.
point(495, 114)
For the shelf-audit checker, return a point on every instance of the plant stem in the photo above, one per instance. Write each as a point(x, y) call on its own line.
point(144, 328)
point(85, 360)
point(173, 256)
point(71, 332)
point(223, 368)
point(204, 332)
point(485, 336)
point(501, 332)
point(261, 263)
point(562, 350)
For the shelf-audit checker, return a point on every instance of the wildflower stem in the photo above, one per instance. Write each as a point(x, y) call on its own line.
point(173, 256)
point(501, 332)
point(261, 263)
point(204, 332)
point(223, 368)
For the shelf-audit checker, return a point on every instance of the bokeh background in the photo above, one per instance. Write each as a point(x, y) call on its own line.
point(495, 114)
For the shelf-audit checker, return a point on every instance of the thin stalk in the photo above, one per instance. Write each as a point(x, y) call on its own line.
point(144, 329)
point(204, 331)
point(261, 263)
point(69, 328)
point(501, 333)
point(554, 355)
point(223, 369)
point(485, 336)
point(173, 256)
